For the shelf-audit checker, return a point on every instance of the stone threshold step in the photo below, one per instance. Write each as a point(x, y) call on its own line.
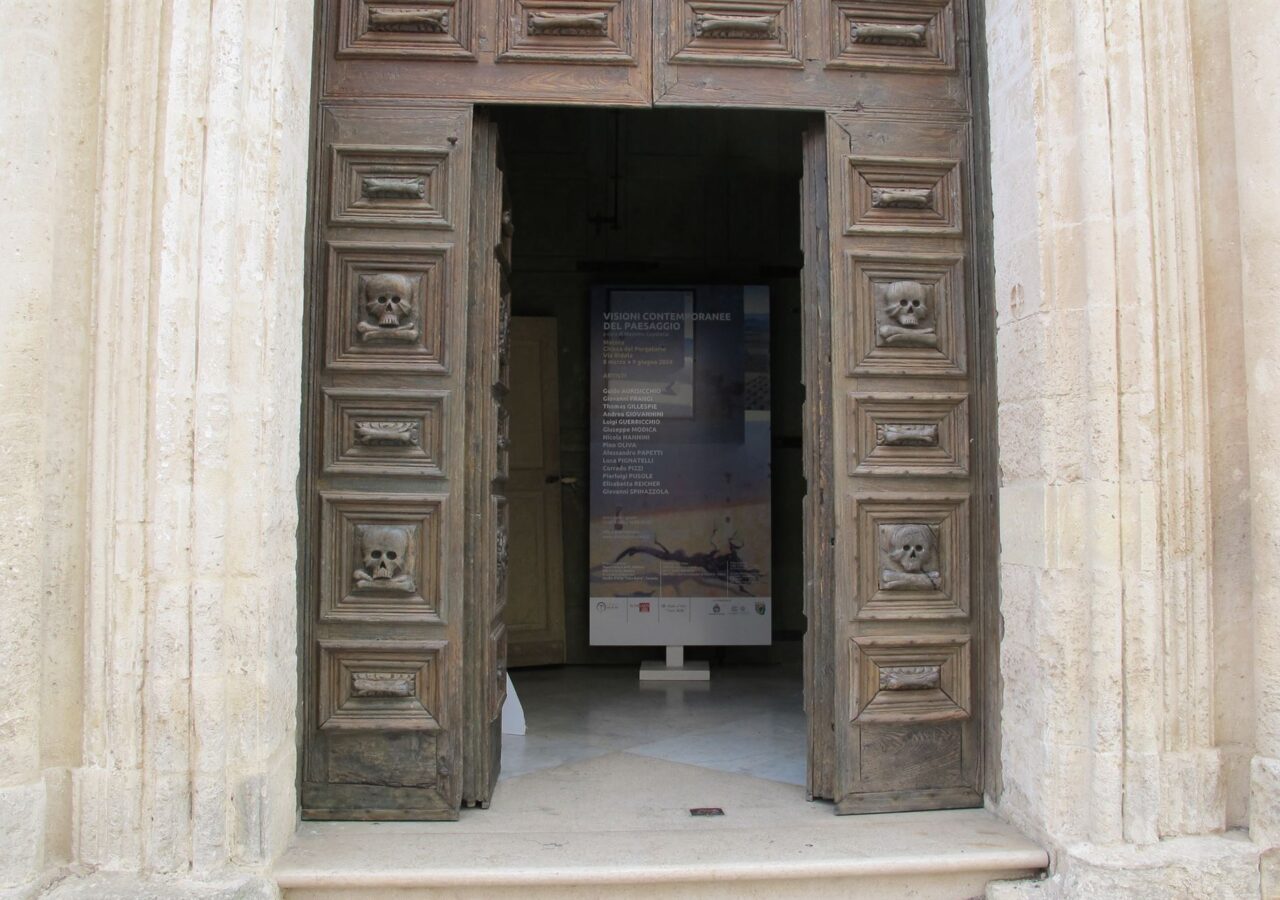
point(947, 854)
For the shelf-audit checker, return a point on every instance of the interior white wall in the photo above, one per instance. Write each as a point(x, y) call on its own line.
point(151, 365)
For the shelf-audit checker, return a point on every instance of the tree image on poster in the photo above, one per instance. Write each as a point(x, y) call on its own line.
point(680, 545)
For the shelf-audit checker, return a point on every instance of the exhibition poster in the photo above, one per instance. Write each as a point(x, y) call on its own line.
point(680, 541)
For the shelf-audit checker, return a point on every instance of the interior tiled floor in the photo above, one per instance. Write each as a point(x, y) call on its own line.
point(746, 720)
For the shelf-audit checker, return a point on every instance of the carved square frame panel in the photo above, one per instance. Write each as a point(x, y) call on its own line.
point(908, 434)
point(736, 32)
point(873, 350)
point(354, 343)
point(498, 651)
point(399, 186)
point(580, 31)
point(384, 432)
point(892, 35)
point(417, 29)
point(937, 593)
point(382, 685)
point(901, 195)
point(503, 449)
point(501, 552)
point(909, 679)
point(348, 593)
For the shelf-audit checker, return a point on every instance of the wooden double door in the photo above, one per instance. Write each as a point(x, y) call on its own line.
point(406, 551)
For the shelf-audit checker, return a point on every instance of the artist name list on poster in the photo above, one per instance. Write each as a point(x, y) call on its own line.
point(632, 417)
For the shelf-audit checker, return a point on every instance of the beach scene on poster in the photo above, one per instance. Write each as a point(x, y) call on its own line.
point(680, 541)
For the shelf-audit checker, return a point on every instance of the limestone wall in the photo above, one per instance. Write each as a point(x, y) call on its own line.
point(1135, 454)
point(1255, 71)
point(155, 187)
point(155, 200)
point(50, 61)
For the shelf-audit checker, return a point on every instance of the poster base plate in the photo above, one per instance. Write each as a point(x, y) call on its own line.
point(653, 670)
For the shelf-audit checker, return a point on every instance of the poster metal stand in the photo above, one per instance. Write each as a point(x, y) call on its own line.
point(675, 668)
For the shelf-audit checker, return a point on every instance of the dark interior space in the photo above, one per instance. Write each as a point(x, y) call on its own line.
point(658, 198)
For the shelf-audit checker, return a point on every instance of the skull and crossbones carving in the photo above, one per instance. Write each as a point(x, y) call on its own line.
point(904, 316)
point(388, 305)
point(384, 550)
point(908, 558)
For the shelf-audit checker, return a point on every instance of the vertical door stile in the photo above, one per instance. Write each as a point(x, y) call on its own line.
point(819, 520)
point(488, 440)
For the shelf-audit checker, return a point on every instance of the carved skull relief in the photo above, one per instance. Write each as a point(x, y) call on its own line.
point(908, 558)
point(904, 317)
point(388, 305)
point(384, 550)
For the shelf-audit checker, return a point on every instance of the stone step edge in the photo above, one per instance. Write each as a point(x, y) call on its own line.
point(1021, 861)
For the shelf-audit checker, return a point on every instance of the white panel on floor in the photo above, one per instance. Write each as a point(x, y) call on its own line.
point(512, 711)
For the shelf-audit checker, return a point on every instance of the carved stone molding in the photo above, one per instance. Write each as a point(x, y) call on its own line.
point(575, 31)
point(912, 556)
point(908, 314)
point(383, 685)
point(406, 186)
point(909, 679)
point(892, 35)
point(908, 434)
point(381, 557)
point(727, 32)
point(384, 307)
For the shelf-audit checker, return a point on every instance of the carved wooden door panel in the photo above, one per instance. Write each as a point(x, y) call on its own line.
point(547, 51)
point(910, 516)
point(488, 383)
point(811, 54)
point(383, 504)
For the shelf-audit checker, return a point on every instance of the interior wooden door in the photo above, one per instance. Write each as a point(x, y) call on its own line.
point(535, 592)
point(488, 385)
point(383, 510)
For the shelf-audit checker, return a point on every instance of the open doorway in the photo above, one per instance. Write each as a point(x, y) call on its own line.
point(669, 200)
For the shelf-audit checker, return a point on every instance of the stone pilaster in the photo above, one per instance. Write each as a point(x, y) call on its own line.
point(191, 678)
point(1110, 741)
point(1255, 35)
point(1107, 655)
